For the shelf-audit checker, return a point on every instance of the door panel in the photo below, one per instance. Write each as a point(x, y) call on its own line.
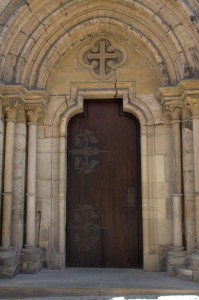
point(104, 199)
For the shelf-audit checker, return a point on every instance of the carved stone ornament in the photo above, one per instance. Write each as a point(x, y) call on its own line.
point(102, 57)
point(12, 110)
point(192, 104)
point(33, 114)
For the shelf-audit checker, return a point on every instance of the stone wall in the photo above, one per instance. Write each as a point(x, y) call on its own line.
point(1, 155)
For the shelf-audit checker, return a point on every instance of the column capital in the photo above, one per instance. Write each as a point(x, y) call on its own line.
point(192, 104)
point(174, 108)
point(171, 100)
point(33, 114)
point(11, 109)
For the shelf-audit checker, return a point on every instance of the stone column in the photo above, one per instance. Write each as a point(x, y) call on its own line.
point(176, 256)
point(193, 106)
point(30, 261)
point(8, 257)
point(19, 184)
point(188, 183)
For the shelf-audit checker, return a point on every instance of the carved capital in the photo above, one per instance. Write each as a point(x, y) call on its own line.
point(11, 111)
point(33, 114)
point(192, 104)
point(175, 110)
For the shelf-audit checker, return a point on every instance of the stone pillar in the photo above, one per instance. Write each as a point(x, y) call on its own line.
point(30, 261)
point(19, 184)
point(193, 106)
point(188, 183)
point(8, 256)
point(176, 256)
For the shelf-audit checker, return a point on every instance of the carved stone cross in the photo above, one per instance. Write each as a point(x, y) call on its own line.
point(102, 56)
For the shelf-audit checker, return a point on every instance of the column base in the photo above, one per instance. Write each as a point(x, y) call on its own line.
point(195, 265)
point(30, 260)
point(176, 257)
point(8, 262)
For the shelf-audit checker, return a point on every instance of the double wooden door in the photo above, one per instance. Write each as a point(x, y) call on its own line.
point(104, 224)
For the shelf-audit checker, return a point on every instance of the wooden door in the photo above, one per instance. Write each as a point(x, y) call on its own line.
point(104, 223)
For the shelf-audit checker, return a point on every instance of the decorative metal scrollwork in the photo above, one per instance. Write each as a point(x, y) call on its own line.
point(85, 227)
point(85, 153)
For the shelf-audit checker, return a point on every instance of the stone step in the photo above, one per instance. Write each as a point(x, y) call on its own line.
point(129, 297)
point(39, 293)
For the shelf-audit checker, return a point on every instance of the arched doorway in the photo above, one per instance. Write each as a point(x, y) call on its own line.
point(104, 214)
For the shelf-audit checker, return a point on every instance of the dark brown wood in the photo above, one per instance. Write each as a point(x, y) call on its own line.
point(104, 222)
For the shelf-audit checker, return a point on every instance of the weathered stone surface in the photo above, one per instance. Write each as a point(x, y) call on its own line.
point(176, 257)
point(195, 265)
point(30, 260)
point(8, 262)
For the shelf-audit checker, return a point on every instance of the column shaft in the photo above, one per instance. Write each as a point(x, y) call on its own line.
point(8, 184)
point(196, 169)
point(177, 184)
point(31, 185)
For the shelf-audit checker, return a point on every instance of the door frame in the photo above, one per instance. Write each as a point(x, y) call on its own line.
point(74, 105)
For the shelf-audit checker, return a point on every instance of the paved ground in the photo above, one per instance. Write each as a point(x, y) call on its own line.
point(98, 284)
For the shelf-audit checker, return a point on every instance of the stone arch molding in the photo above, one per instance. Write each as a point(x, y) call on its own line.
point(37, 34)
point(131, 104)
